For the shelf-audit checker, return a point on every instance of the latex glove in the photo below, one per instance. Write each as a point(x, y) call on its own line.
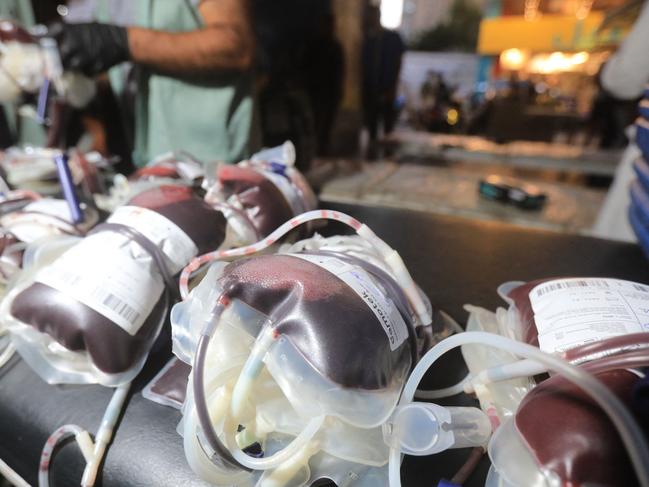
point(90, 48)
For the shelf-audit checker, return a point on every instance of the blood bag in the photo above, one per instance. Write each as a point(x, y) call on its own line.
point(308, 353)
point(25, 217)
point(255, 196)
point(584, 425)
point(558, 316)
point(559, 436)
point(173, 168)
point(551, 432)
point(163, 389)
point(88, 310)
point(169, 385)
point(261, 193)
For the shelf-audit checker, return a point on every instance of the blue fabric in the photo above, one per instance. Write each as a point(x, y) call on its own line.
point(446, 483)
point(640, 229)
point(642, 139)
point(641, 169)
point(644, 112)
point(640, 202)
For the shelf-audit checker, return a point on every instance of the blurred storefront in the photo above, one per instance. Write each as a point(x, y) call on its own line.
point(543, 58)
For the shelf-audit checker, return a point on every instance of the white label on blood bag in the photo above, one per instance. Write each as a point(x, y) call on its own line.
point(164, 233)
point(361, 282)
point(572, 312)
point(110, 274)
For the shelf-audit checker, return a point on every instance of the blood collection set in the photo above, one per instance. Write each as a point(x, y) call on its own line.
point(298, 358)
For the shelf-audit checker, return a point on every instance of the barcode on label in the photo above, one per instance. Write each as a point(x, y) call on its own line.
point(106, 298)
point(555, 286)
point(123, 309)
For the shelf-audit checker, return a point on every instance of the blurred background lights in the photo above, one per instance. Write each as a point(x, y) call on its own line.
point(513, 59)
point(391, 13)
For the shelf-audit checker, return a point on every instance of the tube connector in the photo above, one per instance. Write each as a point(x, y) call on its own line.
point(422, 429)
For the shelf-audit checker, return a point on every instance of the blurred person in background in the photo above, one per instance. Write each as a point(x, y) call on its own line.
point(324, 71)
point(624, 76)
point(381, 58)
point(435, 98)
point(192, 60)
point(300, 74)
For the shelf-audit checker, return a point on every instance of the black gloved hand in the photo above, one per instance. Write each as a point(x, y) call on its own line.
point(90, 48)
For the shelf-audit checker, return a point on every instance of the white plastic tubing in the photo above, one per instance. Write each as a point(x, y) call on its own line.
point(453, 390)
point(240, 394)
point(11, 475)
point(390, 256)
point(93, 453)
point(277, 459)
point(626, 425)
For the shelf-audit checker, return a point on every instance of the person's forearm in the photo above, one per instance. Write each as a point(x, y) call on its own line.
point(213, 48)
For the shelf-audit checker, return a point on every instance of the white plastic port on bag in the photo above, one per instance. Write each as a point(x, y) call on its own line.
point(423, 429)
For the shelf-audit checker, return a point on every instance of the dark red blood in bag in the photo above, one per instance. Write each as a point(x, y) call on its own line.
point(521, 297)
point(329, 324)
point(570, 435)
point(264, 203)
point(202, 223)
point(78, 327)
point(173, 383)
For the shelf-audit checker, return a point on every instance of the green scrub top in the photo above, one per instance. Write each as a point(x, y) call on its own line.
point(211, 119)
